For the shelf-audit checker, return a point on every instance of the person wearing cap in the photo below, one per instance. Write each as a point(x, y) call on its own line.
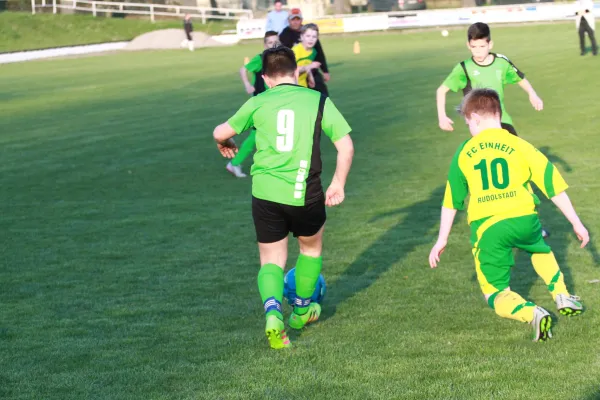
point(277, 19)
point(290, 36)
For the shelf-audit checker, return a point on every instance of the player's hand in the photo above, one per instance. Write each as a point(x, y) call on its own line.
point(436, 252)
point(326, 76)
point(582, 234)
point(249, 89)
point(446, 124)
point(228, 149)
point(311, 81)
point(536, 102)
point(334, 195)
point(314, 65)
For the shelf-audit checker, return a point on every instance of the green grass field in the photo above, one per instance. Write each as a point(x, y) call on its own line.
point(128, 256)
point(23, 31)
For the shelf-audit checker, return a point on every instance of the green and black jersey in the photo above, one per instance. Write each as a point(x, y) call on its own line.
point(255, 66)
point(469, 75)
point(289, 120)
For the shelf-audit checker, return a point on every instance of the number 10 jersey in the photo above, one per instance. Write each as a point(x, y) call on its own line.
point(496, 169)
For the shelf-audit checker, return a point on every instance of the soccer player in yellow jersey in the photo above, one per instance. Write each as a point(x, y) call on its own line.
point(306, 53)
point(495, 169)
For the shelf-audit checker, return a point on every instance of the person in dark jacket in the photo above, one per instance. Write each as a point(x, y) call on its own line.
point(290, 36)
point(188, 28)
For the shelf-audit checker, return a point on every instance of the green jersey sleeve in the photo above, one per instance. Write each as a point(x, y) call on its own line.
point(457, 80)
point(512, 74)
point(255, 65)
point(543, 173)
point(457, 188)
point(334, 124)
point(243, 119)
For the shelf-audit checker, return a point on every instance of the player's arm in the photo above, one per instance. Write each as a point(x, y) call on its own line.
point(457, 190)
point(334, 125)
point(515, 75)
point(549, 180)
point(445, 123)
point(446, 221)
point(308, 68)
point(534, 99)
point(564, 204)
point(345, 153)
point(456, 81)
point(246, 81)
point(224, 133)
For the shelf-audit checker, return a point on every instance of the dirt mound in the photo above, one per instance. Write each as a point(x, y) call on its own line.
point(171, 39)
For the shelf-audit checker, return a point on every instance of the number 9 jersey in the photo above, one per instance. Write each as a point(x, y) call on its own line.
point(496, 169)
point(289, 120)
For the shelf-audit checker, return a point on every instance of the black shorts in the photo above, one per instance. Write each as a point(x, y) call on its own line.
point(511, 129)
point(274, 221)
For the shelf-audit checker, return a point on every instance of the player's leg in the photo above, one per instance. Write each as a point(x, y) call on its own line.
point(493, 256)
point(308, 224)
point(246, 149)
point(593, 40)
point(582, 36)
point(271, 233)
point(545, 264)
point(190, 41)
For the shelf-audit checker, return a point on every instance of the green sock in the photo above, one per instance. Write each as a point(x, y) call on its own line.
point(246, 149)
point(308, 270)
point(270, 286)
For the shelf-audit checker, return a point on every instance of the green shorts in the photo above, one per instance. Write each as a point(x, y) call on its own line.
point(493, 240)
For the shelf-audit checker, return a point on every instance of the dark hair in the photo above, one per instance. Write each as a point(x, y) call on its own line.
point(481, 101)
point(268, 34)
point(279, 61)
point(479, 30)
point(277, 1)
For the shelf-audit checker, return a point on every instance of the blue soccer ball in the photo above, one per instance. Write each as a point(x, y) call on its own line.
point(289, 288)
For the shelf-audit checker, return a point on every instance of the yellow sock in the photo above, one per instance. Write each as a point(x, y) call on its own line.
point(547, 268)
point(511, 305)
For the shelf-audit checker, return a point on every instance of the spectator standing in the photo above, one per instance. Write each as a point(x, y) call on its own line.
point(586, 24)
point(277, 19)
point(188, 28)
point(290, 36)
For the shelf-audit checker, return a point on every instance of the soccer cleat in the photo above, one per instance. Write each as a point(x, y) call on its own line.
point(300, 321)
point(542, 324)
point(569, 305)
point(235, 170)
point(275, 331)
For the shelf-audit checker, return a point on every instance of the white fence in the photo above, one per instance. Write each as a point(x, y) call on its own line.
point(152, 10)
point(535, 12)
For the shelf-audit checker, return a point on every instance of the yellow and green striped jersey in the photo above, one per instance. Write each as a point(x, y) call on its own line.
point(303, 57)
point(495, 168)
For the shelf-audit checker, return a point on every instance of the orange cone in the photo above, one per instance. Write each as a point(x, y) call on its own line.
point(246, 60)
point(356, 47)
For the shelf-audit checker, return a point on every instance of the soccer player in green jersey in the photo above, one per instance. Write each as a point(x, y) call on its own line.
point(494, 168)
point(255, 88)
point(287, 195)
point(484, 70)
